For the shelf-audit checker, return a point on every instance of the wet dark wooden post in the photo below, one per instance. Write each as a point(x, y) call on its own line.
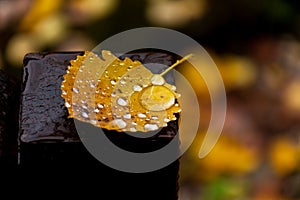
point(9, 104)
point(48, 139)
point(4, 95)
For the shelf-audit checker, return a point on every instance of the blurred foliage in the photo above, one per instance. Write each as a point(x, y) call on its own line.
point(256, 46)
point(284, 156)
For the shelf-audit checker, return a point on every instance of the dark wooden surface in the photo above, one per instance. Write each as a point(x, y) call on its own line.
point(3, 109)
point(9, 103)
point(49, 141)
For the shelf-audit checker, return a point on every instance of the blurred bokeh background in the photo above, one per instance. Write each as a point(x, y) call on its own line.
point(256, 46)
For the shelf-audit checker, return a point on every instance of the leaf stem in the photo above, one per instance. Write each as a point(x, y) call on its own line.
point(175, 64)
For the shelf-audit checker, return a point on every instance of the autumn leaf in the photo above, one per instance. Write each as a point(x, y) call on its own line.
point(120, 95)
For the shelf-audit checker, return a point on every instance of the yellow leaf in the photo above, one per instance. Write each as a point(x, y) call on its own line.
point(116, 94)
